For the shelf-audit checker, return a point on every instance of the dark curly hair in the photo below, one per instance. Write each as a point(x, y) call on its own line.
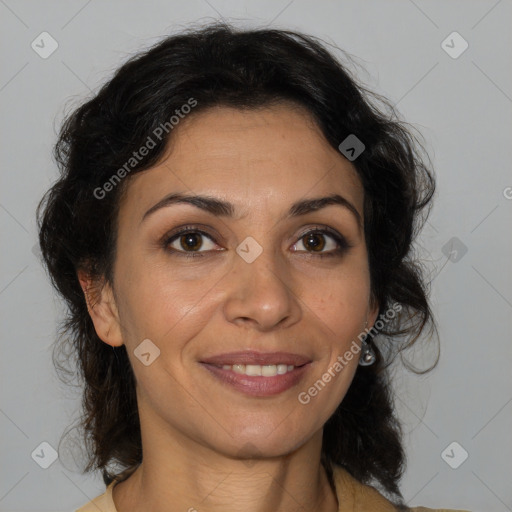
point(222, 65)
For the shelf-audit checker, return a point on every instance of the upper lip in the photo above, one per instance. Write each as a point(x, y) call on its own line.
point(261, 358)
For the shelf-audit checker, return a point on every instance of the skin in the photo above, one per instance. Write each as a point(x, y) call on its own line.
point(206, 445)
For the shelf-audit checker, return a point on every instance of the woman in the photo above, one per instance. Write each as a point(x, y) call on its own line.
point(230, 231)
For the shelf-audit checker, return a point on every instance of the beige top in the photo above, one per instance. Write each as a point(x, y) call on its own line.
point(352, 496)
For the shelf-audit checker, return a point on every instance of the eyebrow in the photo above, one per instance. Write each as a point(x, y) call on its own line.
point(222, 208)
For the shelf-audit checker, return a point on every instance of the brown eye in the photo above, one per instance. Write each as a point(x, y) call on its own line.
point(318, 242)
point(191, 241)
point(322, 243)
point(314, 242)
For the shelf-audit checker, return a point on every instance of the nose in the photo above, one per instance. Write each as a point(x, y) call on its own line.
point(261, 294)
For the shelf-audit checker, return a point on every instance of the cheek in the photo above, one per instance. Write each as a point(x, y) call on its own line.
point(340, 300)
point(160, 305)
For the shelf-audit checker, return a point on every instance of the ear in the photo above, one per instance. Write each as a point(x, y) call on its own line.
point(102, 309)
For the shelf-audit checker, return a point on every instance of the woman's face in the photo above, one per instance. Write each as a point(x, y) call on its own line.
point(243, 278)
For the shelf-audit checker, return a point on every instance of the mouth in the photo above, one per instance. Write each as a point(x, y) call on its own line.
point(258, 374)
point(258, 370)
point(253, 357)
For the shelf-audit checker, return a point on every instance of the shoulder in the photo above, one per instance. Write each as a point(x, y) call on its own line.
point(354, 496)
point(425, 509)
point(103, 502)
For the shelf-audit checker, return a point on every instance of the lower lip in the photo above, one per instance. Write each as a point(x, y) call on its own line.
point(259, 386)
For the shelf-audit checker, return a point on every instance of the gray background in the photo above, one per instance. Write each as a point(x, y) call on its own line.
point(462, 106)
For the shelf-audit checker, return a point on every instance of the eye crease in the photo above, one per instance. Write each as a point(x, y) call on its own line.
point(316, 242)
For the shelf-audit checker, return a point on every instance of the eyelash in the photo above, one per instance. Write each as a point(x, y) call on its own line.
point(340, 240)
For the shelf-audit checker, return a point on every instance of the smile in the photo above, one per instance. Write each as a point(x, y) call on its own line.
point(258, 380)
point(256, 370)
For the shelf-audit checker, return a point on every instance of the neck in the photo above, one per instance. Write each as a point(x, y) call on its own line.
point(191, 477)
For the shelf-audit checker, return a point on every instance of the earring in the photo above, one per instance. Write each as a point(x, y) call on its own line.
point(368, 356)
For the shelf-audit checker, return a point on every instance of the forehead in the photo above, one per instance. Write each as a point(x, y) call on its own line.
point(254, 158)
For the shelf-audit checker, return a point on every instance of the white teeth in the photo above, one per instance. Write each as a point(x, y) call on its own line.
point(253, 370)
point(239, 368)
point(257, 370)
point(281, 369)
point(269, 370)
